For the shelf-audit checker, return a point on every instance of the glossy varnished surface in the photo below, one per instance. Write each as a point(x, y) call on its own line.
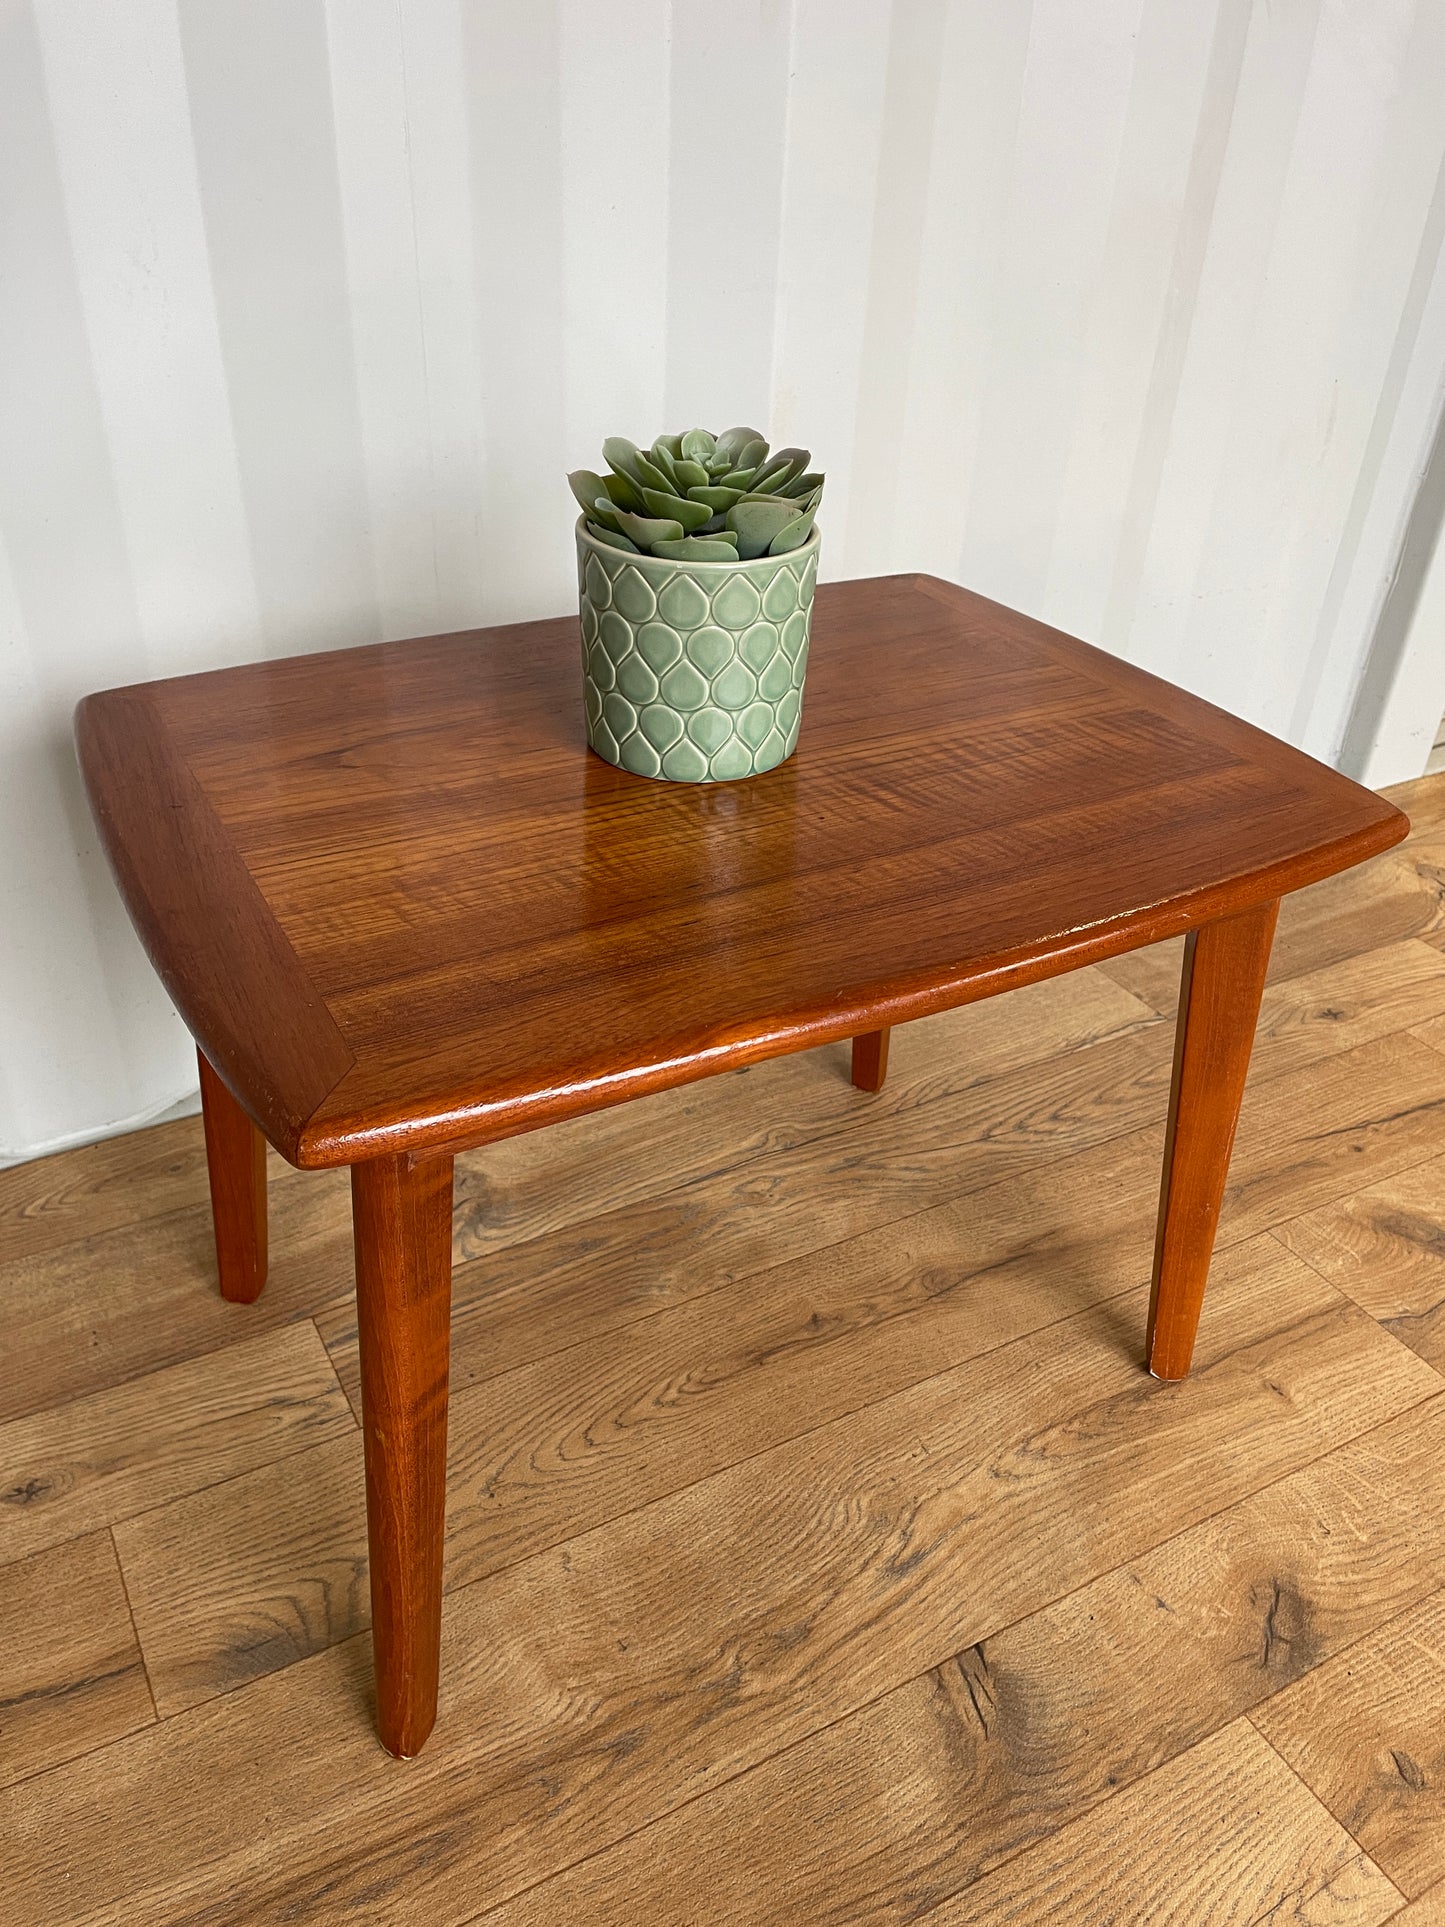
point(401, 906)
point(810, 1517)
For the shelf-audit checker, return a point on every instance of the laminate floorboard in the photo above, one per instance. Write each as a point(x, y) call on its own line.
point(818, 1550)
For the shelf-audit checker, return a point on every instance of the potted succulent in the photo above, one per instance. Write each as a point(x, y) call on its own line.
point(696, 561)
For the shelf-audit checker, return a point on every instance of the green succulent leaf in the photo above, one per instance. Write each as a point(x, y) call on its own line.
point(768, 482)
point(697, 548)
point(649, 475)
point(586, 487)
point(701, 497)
point(644, 531)
point(614, 538)
point(757, 523)
point(662, 462)
point(733, 441)
point(793, 534)
point(675, 508)
point(780, 468)
point(717, 498)
point(626, 494)
point(621, 455)
point(603, 511)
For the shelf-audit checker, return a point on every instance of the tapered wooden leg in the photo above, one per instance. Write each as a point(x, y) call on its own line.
point(870, 1060)
point(1224, 966)
point(401, 1214)
point(236, 1165)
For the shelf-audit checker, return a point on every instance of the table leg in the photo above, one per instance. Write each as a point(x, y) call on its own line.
point(236, 1166)
point(1224, 966)
point(401, 1213)
point(870, 1060)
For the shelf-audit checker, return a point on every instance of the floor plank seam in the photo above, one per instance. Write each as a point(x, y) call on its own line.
point(204, 1707)
point(838, 1130)
point(261, 1330)
point(1295, 1774)
point(950, 1198)
point(839, 1791)
point(899, 1391)
point(1092, 1806)
point(353, 1404)
point(739, 1278)
point(1274, 1231)
point(231, 1478)
point(1224, 1241)
point(134, 1627)
point(996, 1632)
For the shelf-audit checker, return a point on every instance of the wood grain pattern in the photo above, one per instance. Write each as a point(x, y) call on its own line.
point(1385, 1246)
point(99, 1187)
point(1286, 1504)
point(236, 1162)
point(933, 1138)
point(528, 1185)
point(157, 1306)
point(70, 1670)
point(1337, 1123)
point(870, 1060)
point(196, 907)
point(1422, 799)
point(1427, 1911)
point(1343, 918)
point(1224, 966)
point(542, 1181)
point(351, 852)
point(1366, 1731)
point(251, 1575)
point(915, 1796)
point(1347, 915)
point(628, 1395)
point(1152, 973)
point(595, 1687)
point(386, 945)
point(403, 1217)
point(1315, 1014)
point(1432, 1033)
point(1249, 1845)
point(234, 1581)
point(100, 1310)
point(1340, 1122)
point(76, 1467)
point(1359, 910)
point(263, 1570)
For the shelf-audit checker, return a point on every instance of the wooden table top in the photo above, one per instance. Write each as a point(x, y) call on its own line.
point(401, 906)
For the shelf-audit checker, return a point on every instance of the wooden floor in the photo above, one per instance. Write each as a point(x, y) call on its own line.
point(818, 1549)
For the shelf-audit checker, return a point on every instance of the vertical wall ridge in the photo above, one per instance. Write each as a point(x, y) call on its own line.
point(1132, 315)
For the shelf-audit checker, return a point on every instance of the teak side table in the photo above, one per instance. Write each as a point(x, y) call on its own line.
point(404, 912)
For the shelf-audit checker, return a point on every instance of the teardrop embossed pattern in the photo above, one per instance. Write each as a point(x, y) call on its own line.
point(693, 671)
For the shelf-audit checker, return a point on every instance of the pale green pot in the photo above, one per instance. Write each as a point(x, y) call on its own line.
point(693, 671)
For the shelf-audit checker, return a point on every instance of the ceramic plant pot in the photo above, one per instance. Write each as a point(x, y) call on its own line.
point(693, 671)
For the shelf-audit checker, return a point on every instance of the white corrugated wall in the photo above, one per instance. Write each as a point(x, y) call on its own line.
point(1128, 312)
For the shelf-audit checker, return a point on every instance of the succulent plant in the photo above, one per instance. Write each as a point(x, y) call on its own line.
point(700, 497)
